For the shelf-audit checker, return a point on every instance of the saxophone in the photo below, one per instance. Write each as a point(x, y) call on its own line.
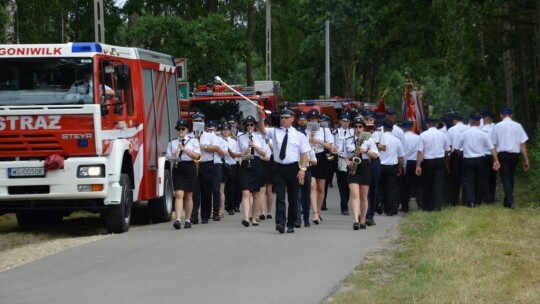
point(357, 160)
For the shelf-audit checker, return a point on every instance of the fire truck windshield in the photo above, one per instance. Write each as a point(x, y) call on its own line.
point(46, 81)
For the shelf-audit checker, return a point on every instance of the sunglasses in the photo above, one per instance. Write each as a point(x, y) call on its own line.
point(250, 125)
point(358, 127)
point(284, 117)
point(198, 120)
point(182, 129)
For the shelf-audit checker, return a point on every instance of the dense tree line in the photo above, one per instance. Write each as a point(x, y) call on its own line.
point(463, 54)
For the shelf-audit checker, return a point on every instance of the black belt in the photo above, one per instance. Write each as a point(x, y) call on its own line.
point(206, 162)
point(286, 165)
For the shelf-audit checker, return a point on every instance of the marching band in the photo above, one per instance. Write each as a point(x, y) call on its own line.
point(379, 166)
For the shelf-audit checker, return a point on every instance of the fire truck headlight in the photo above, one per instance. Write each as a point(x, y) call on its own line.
point(91, 171)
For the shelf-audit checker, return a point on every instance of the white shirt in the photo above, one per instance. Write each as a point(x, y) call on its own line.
point(297, 144)
point(454, 131)
point(413, 144)
point(394, 149)
point(190, 143)
point(508, 136)
point(489, 130)
point(208, 139)
point(231, 144)
point(473, 142)
point(398, 132)
point(243, 142)
point(377, 135)
point(223, 147)
point(435, 143)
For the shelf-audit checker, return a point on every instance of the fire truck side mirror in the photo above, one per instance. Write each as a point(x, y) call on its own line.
point(123, 73)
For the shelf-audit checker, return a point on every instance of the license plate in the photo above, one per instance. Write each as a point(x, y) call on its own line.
point(26, 172)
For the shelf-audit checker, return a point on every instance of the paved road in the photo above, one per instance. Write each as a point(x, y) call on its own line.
point(216, 263)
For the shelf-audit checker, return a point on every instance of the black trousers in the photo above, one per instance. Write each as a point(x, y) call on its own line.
point(455, 178)
point(433, 183)
point(332, 168)
point(285, 181)
point(411, 185)
point(492, 180)
point(230, 187)
point(206, 182)
point(344, 191)
point(387, 187)
point(216, 182)
point(508, 163)
point(475, 174)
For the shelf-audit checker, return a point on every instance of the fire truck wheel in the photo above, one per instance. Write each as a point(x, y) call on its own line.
point(161, 208)
point(118, 217)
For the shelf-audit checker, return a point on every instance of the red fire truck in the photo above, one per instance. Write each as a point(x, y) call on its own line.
point(216, 100)
point(85, 126)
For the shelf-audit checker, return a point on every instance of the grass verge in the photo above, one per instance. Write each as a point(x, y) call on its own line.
point(460, 255)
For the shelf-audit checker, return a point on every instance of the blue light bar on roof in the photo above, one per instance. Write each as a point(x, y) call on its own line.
point(86, 47)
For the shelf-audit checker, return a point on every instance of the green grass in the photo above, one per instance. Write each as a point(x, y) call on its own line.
point(484, 255)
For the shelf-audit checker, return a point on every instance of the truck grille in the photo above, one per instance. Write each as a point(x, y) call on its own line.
point(29, 143)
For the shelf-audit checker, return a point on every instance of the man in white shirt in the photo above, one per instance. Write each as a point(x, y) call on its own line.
point(487, 118)
point(411, 183)
point(343, 132)
point(392, 166)
point(290, 149)
point(474, 142)
point(430, 165)
point(509, 139)
point(456, 160)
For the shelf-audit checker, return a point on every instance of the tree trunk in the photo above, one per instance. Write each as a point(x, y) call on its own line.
point(508, 60)
point(374, 90)
point(132, 20)
point(249, 38)
point(9, 30)
point(524, 100)
point(348, 69)
point(212, 6)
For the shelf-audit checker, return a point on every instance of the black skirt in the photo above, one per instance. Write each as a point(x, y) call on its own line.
point(320, 171)
point(251, 177)
point(363, 174)
point(185, 176)
point(268, 170)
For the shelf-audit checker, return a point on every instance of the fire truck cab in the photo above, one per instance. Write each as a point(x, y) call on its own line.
point(85, 126)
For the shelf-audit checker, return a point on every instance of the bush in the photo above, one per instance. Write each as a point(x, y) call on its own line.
point(527, 186)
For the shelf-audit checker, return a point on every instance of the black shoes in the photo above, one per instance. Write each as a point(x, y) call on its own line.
point(176, 224)
point(370, 222)
point(362, 226)
point(194, 221)
point(297, 225)
point(356, 226)
point(187, 225)
point(280, 228)
point(290, 229)
point(204, 222)
point(245, 223)
point(236, 209)
point(378, 209)
point(231, 212)
point(269, 217)
point(216, 219)
point(262, 217)
point(306, 224)
point(345, 212)
point(324, 208)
